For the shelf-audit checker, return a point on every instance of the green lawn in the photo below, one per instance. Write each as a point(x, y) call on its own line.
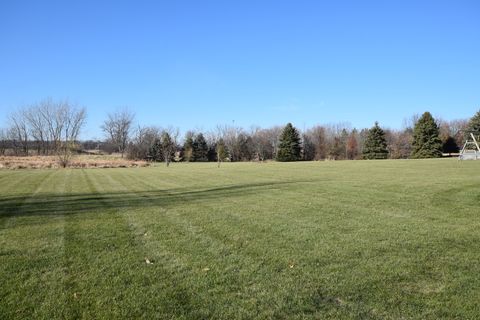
point(347, 239)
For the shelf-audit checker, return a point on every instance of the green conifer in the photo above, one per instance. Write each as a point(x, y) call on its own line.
point(290, 147)
point(200, 148)
point(473, 126)
point(426, 139)
point(375, 146)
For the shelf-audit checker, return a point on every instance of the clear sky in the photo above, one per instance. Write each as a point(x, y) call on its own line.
point(196, 64)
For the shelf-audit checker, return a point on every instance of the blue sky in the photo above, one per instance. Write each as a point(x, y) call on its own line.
point(196, 64)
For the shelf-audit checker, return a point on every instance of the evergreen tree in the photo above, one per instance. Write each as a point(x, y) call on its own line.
point(200, 148)
point(450, 145)
point(426, 140)
point(155, 150)
point(212, 152)
point(289, 148)
point(375, 146)
point(168, 147)
point(473, 126)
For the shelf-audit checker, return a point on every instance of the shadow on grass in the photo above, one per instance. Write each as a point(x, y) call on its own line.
point(69, 204)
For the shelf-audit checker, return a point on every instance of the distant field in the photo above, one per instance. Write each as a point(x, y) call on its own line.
point(386, 239)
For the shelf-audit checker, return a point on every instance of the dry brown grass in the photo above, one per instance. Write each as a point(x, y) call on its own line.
point(83, 161)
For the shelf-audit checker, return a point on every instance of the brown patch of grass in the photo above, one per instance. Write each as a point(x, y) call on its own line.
point(83, 161)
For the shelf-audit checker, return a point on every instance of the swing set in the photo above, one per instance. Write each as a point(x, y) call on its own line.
point(470, 150)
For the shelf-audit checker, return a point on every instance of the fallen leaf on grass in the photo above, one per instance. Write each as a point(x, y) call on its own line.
point(148, 261)
point(206, 269)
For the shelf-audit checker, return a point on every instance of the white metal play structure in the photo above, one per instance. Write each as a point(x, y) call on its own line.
point(471, 150)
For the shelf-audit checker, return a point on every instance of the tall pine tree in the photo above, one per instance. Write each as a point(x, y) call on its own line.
point(155, 150)
point(375, 146)
point(426, 139)
point(200, 148)
point(473, 126)
point(289, 148)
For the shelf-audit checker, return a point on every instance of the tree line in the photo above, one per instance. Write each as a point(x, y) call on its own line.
point(53, 127)
point(422, 137)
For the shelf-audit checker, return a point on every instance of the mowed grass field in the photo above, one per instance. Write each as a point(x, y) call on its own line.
point(348, 239)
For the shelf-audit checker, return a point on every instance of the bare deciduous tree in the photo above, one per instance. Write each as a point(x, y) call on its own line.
point(230, 135)
point(262, 143)
point(19, 132)
point(399, 143)
point(72, 119)
point(273, 135)
point(38, 128)
point(50, 125)
point(409, 123)
point(53, 115)
point(3, 141)
point(352, 145)
point(117, 127)
point(319, 140)
point(143, 139)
